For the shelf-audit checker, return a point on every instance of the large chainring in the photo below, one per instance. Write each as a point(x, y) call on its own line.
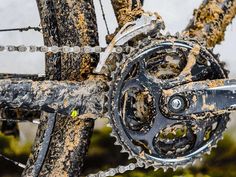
point(136, 116)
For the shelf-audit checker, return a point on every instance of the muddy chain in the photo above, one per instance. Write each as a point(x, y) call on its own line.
point(118, 170)
point(56, 49)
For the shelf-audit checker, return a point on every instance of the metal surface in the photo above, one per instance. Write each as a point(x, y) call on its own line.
point(176, 103)
point(144, 25)
point(205, 98)
point(52, 49)
point(136, 92)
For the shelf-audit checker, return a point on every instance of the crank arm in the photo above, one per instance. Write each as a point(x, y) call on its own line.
point(145, 24)
point(200, 99)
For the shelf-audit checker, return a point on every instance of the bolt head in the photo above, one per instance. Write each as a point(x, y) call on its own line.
point(177, 104)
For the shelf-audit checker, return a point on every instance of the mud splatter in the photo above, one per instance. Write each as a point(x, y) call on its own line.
point(210, 21)
point(125, 12)
point(191, 62)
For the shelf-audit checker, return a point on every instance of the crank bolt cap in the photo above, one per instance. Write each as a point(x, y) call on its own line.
point(177, 104)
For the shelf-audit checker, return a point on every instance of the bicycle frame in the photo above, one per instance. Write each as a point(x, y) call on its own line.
point(61, 68)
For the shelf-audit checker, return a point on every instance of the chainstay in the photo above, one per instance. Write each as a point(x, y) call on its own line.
point(57, 49)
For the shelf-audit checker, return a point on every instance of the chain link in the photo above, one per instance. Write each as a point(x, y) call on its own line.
point(57, 49)
point(118, 170)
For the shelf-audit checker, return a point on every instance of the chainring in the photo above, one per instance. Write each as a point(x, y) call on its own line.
point(138, 123)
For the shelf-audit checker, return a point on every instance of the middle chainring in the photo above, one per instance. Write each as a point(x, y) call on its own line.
point(136, 116)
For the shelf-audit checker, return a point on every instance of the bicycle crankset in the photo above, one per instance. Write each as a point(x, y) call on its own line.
point(165, 103)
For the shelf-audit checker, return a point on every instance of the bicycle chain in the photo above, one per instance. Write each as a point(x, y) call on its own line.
point(57, 49)
point(118, 170)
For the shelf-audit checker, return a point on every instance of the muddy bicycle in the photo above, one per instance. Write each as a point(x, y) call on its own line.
point(167, 97)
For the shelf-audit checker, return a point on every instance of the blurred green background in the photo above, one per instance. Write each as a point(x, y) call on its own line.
point(103, 154)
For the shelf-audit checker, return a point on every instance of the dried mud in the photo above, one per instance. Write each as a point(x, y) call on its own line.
point(69, 22)
point(126, 11)
point(211, 20)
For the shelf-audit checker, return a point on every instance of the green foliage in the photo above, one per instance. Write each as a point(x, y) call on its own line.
point(103, 155)
point(221, 162)
point(11, 146)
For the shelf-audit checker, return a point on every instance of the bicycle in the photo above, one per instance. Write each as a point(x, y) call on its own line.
point(142, 78)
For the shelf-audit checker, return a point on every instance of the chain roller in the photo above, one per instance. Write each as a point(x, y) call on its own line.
point(118, 170)
point(55, 49)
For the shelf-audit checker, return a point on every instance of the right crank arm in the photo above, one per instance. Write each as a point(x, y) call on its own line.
point(201, 99)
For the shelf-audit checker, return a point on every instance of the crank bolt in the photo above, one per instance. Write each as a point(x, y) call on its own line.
point(177, 104)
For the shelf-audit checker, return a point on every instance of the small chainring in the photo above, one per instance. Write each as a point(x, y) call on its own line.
point(136, 115)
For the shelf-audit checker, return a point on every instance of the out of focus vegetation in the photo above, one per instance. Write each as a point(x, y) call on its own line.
point(11, 147)
point(103, 154)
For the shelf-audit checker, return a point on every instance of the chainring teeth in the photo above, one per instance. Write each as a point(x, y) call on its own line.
point(119, 129)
